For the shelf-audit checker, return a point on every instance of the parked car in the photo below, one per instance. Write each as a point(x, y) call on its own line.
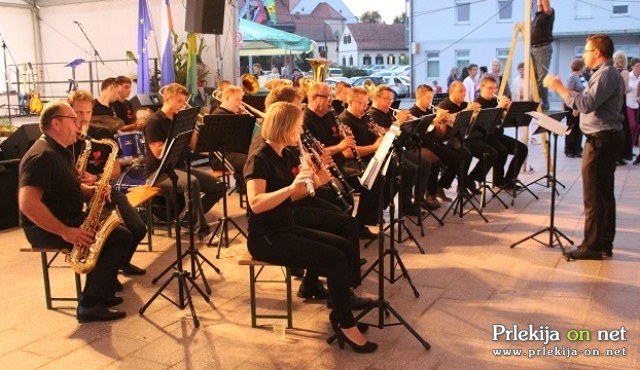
point(399, 87)
point(359, 81)
point(335, 72)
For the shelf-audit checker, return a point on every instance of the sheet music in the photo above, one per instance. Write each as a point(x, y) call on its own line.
point(549, 123)
point(375, 164)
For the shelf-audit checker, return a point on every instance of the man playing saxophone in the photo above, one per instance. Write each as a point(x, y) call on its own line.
point(51, 198)
point(81, 102)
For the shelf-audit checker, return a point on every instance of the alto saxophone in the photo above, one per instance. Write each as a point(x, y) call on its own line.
point(83, 159)
point(84, 262)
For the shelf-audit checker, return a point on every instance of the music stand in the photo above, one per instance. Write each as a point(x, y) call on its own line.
point(178, 141)
point(225, 133)
point(485, 123)
point(439, 98)
point(256, 101)
point(372, 174)
point(461, 127)
point(411, 133)
point(552, 125)
point(73, 85)
point(558, 116)
point(517, 117)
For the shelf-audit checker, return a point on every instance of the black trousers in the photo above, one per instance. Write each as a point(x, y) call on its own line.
point(313, 250)
point(600, 154)
point(100, 282)
point(318, 214)
point(211, 188)
point(369, 203)
point(573, 141)
point(132, 221)
point(237, 161)
point(412, 166)
point(505, 145)
point(449, 159)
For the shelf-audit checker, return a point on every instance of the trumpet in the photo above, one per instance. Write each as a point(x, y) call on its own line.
point(394, 111)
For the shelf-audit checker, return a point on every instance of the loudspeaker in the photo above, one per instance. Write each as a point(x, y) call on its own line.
point(152, 101)
point(204, 16)
point(20, 141)
point(9, 193)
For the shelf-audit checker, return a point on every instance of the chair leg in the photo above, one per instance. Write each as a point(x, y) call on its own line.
point(47, 283)
point(252, 288)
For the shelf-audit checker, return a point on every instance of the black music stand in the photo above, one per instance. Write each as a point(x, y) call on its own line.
point(225, 133)
point(411, 133)
point(439, 98)
point(371, 175)
point(516, 117)
point(461, 128)
point(485, 123)
point(558, 116)
point(256, 101)
point(178, 141)
point(554, 234)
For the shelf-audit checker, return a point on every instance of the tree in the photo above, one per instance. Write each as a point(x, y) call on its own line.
point(371, 17)
point(400, 18)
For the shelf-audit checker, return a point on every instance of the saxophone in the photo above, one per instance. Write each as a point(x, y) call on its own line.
point(83, 159)
point(82, 262)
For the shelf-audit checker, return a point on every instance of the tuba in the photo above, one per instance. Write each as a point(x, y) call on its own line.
point(319, 67)
point(82, 262)
point(249, 83)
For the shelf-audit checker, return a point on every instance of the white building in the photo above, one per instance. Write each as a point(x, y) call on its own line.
point(365, 44)
point(452, 33)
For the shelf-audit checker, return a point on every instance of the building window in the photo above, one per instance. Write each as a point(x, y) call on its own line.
point(620, 9)
point(505, 10)
point(462, 59)
point(391, 59)
point(578, 51)
point(346, 39)
point(502, 55)
point(379, 59)
point(344, 61)
point(433, 64)
point(582, 10)
point(403, 60)
point(366, 60)
point(351, 60)
point(322, 50)
point(463, 11)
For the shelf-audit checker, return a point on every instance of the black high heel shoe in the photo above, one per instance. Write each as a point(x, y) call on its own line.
point(334, 324)
point(368, 347)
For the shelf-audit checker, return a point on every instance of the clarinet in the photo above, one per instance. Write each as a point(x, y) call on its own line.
point(316, 147)
point(316, 157)
point(308, 183)
point(343, 132)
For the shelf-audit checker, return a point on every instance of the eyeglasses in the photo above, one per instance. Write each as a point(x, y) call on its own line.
point(72, 117)
point(588, 51)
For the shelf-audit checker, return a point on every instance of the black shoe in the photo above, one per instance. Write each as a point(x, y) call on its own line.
point(511, 186)
point(334, 323)
point(368, 347)
point(412, 210)
point(471, 187)
point(317, 291)
point(570, 155)
point(365, 233)
point(297, 272)
point(130, 269)
point(636, 162)
point(607, 251)
point(112, 301)
point(118, 286)
point(363, 261)
point(621, 162)
point(578, 155)
point(99, 312)
point(585, 254)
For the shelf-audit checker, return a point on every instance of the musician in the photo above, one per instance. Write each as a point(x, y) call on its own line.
point(381, 114)
point(448, 160)
point(319, 213)
point(81, 101)
point(51, 198)
point(367, 142)
point(103, 115)
point(215, 103)
point(473, 146)
point(503, 144)
point(156, 131)
point(339, 103)
point(231, 101)
point(122, 106)
point(274, 181)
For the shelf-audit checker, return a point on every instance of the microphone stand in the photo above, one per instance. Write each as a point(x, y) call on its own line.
point(96, 55)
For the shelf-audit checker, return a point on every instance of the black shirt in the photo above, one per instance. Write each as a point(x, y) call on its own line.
point(542, 28)
point(279, 172)
point(417, 112)
point(155, 130)
point(49, 166)
point(361, 128)
point(452, 107)
point(99, 152)
point(489, 103)
point(123, 110)
point(382, 119)
point(338, 105)
point(102, 110)
point(325, 129)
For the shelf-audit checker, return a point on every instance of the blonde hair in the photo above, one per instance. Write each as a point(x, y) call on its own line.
point(280, 119)
point(620, 60)
point(168, 91)
point(355, 92)
point(79, 95)
point(230, 91)
point(380, 89)
point(282, 94)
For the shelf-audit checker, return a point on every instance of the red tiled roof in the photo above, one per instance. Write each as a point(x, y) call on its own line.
point(374, 36)
point(313, 27)
point(325, 11)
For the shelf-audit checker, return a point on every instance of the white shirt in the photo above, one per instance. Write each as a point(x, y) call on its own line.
point(632, 96)
point(470, 86)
